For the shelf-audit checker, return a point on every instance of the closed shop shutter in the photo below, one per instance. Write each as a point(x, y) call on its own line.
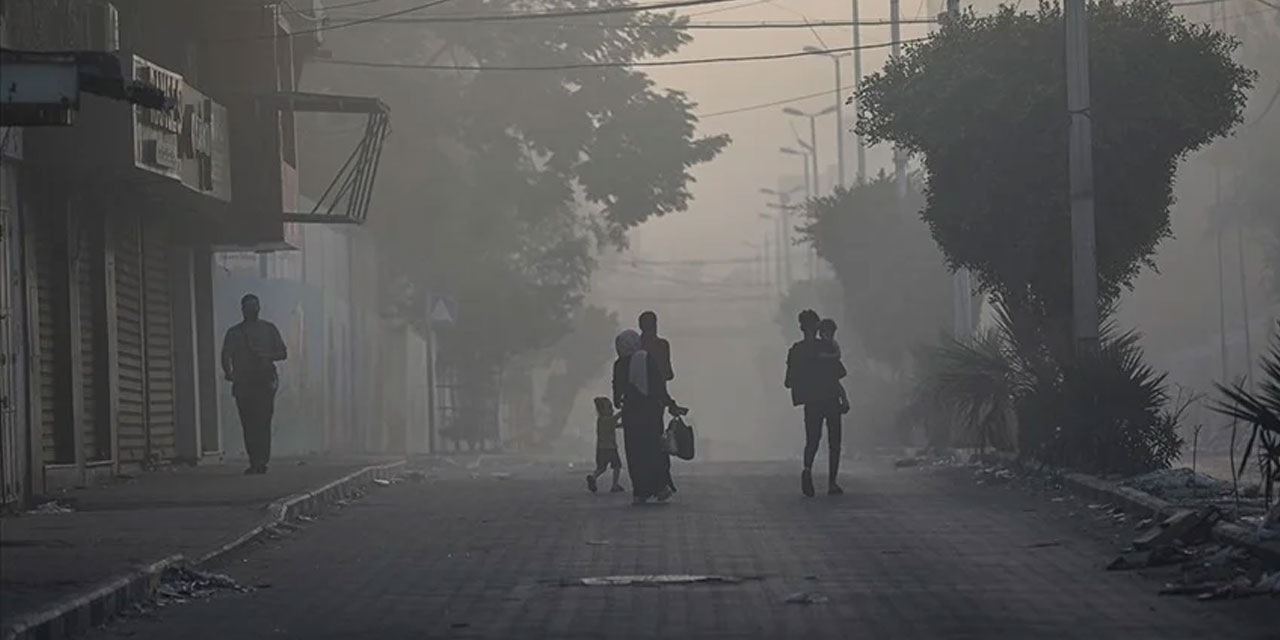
point(13, 442)
point(96, 446)
point(131, 419)
point(46, 307)
point(158, 328)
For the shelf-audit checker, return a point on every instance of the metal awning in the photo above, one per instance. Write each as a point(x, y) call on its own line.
point(346, 199)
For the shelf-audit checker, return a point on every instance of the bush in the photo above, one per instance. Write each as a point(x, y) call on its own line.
point(1105, 412)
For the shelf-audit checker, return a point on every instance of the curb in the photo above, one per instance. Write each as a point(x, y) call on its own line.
point(79, 613)
point(1149, 506)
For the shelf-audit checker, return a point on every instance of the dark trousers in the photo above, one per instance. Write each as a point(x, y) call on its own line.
point(256, 406)
point(815, 414)
point(647, 462)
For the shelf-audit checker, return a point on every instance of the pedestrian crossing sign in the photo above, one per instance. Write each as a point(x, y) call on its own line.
point(442, 311)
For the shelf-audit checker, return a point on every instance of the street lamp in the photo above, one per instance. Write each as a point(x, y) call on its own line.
point(784, 208)
point(837, 107)
point(813, 136)
point(804, 162)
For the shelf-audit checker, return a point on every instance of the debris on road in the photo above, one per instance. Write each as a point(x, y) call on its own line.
point(1045, 545)
point(1186, 527)
point(181, 584)
point(657, 579)
point(994, 475)
point(807, 597)
point(53, 506)
point(1161, 557)
point(1180, 484)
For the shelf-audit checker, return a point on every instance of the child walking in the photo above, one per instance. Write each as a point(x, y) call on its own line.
point(606, 446)
point(827, 334)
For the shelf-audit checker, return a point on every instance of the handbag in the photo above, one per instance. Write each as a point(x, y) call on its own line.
point(678, 439)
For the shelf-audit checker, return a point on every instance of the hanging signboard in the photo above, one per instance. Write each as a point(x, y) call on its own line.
point(155, 131)
point(204, 145)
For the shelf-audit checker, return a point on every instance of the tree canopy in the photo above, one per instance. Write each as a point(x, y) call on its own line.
point(499, 186)
point(897, 292)
point(983, 103)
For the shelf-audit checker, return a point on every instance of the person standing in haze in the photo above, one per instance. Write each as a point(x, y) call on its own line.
point(815, 384)
point(249, 353)
point(659, 348)
point(640, 393)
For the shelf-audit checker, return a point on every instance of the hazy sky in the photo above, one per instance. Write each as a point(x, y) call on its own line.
point(724, 213)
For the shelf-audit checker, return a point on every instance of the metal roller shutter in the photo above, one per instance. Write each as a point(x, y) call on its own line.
point(46, 308)
point(131, 419)
point(158, 328)
point(96, 447)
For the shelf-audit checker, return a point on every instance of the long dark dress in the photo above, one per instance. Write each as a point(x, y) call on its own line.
point(647, 462)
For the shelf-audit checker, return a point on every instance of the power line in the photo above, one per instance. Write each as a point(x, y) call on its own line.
point(352, 23)
point(595, 65)
point(542, 15)
point(766, 105)
point(882, 22)
point(724, 9)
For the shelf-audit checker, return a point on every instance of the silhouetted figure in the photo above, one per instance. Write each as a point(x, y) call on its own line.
point(659, 347)
point(833, 357)
point(640, 391)
point(606, 446)
point(249, 353)
point(815, 384)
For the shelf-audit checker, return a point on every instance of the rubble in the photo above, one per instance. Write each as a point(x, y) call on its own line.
point(1185, 527)
point(1180, 485)
point(50, 507)
point(180, 584)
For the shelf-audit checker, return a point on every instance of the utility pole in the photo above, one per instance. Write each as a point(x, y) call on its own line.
point(857, 84)
point(1084, 258)
point(961, 281)
point(899, 158)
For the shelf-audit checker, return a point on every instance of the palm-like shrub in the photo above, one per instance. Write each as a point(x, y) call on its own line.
point(1106, 411)
point(1260, 409)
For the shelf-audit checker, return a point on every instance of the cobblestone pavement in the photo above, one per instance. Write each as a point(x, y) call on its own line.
point(908, 554)
point(116, 527)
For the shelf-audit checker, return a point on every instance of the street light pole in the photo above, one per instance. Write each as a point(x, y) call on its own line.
point(813, 150)
point(899, 158)
point(857, 84)
point(1084, 258)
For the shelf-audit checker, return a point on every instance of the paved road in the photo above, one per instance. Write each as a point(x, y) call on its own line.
point(910, 554)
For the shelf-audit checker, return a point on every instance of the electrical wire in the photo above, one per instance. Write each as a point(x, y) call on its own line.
point(695, 26)
point(352, 23)
point(723, 9)
point(542, 15)
point(766, 105)
point(596, 65)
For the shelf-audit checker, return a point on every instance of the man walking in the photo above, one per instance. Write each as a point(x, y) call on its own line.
point(249, 353)
point(815, 385)
point(659, 347)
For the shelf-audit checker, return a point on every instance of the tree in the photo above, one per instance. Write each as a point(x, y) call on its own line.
point(499, 186)
point(982, 103)
point(897, 294)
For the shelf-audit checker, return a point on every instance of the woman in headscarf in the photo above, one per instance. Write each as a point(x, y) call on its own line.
point(640, 391)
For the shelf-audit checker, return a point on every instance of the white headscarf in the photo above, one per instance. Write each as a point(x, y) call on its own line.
point(628, 345)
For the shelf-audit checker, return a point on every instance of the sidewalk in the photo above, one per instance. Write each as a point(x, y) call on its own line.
point(112, 529)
